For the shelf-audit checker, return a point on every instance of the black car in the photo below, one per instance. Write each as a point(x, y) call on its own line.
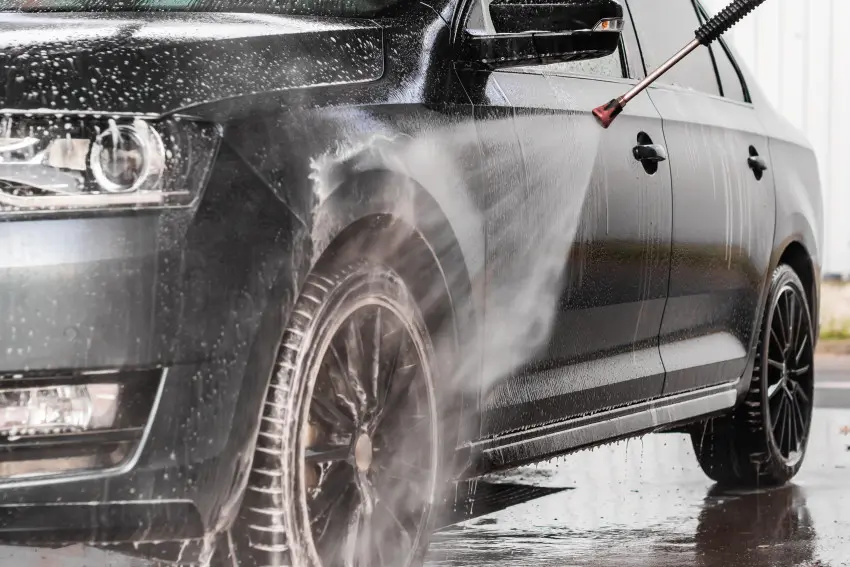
point(277, 278)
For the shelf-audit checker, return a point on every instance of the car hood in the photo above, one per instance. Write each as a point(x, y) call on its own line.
point(166, 63)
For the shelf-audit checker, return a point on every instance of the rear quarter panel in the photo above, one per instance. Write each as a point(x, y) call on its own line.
point(799, 197)
point(799, 213)
point(799, 201)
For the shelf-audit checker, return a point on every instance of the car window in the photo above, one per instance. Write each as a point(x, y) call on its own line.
point(609, 66)
point(731, 85)
point(663, 28)
point(729, 79)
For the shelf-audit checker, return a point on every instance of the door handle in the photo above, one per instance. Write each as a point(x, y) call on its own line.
point(650, 153)
point(757, 164)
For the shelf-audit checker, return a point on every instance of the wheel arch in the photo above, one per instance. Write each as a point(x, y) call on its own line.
point(394, 219)
point(382, 212)
point(798, 259)
point(794, 250)
point(796, 245)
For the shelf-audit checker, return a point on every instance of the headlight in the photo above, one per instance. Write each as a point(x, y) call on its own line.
point(63, 162)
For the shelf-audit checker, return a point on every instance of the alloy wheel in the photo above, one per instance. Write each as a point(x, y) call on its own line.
point(369, 443)
point(789, 374)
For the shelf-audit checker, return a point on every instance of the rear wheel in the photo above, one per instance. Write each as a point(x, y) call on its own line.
point(347, 462)
point(764, 441)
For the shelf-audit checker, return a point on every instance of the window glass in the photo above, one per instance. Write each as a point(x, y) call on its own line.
point(732, 86)
point(730, 82)
point(610, 66)
point(663, 28)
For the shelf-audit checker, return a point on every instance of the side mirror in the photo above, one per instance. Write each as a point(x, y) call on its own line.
point(501, 33)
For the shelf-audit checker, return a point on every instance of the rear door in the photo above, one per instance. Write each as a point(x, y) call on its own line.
point(723, 200)
point(578, 242)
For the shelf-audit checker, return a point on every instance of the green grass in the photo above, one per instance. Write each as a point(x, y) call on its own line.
point(835, 331)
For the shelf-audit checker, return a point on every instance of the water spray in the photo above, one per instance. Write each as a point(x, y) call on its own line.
point(705, 35)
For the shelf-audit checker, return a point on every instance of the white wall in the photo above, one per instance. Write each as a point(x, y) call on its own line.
point(800, 52)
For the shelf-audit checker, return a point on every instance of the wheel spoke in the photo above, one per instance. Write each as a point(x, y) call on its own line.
point(793, 420)
point(780, 421)
point(771, 390)
point(327, 412)
point(799, 392)
point(799, 324)
point(802, 348)
point(378, 546)
point(332, 515)
point(792, 426)
point(419, 421)
point(798, 415)
point(364, 543)
point(342, 383)
point(782, 326)
point(785, 429)
point(399, 388)
point(800, 371)
point(388, 372)
point(776, 340)
point(350, 547)
point(775, 414)
point(792, 315)
point(332, 488)
point(376, 361)
point(327, 453)
point(775, 364)
point(355, 358)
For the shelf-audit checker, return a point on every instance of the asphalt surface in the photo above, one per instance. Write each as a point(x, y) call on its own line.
point(640, 503)
point(833, 381)
point(645, 502)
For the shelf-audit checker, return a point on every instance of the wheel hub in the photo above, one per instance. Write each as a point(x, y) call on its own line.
point(363, 453)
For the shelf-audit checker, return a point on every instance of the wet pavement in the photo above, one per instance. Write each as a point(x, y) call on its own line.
point(645, 502)
point(640, 503)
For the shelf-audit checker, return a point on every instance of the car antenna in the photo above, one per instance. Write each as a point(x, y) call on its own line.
point(706, 34)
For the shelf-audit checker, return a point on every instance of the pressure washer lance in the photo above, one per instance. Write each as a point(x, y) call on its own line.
point(710, 31)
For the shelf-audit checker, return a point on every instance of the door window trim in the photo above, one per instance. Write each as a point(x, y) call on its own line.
point(702, 14)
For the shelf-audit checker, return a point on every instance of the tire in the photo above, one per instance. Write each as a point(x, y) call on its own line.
point(763, 442)
point(335, 424)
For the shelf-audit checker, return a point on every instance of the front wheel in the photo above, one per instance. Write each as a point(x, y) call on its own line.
point(347, 460)
point(765, 440)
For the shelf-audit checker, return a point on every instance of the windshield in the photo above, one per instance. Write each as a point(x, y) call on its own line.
point(351, 8)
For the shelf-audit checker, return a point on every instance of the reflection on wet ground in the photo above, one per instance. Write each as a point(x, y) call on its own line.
point(646, 503)
point(640, 503)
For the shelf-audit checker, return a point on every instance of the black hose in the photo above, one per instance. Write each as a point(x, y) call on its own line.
point(728, 17)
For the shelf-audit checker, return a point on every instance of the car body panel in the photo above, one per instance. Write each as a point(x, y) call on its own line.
point(165, 63)
point(799, 200)
point(607, 283)
point(722, 241)
point(723, 216)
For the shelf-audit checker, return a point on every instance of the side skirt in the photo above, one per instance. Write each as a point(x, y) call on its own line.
point(515, 449)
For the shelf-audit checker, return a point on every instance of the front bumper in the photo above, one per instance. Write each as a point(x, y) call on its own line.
point(184, 295)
